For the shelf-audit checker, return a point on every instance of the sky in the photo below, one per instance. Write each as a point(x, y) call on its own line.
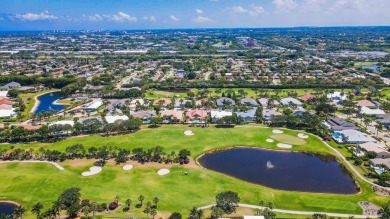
point(166, 14)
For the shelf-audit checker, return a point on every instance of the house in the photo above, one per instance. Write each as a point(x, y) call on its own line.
point(249, 101)
point(110, 119)
point(196, 116)
point(352, 136)
point(144, 115)
point(384, 119)
point(94, 106)
point(307, 97)
point(379, 162)
point(269, 113)
point(225, 101)
point(380, 149)
point(172, 116)
point(336, 96)
point(289, 100)
point(164, 102)
point(63, 122)
point(7, 113)
point(338, 124)
point(248, 116)
point(218, 114)
point(29, 89)
point(368, 111)
point(181, 73)
point(365, 103)
point(181, 103)
point(6, 104)
point(135, 102)
point(10, 85)
point(264, 102)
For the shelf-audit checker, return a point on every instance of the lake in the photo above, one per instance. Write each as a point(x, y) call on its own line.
point(7, 208)
point(46, 102)
point(281, 170)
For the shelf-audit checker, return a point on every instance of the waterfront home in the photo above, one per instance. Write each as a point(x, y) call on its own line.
point(368, 111)
point(94, 106)
point(10, 85)
point(338, 124)
point(352, 136)
point(380, 149)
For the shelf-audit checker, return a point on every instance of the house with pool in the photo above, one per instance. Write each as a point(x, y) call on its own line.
point(352, 136)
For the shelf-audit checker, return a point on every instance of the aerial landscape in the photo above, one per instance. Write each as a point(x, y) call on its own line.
point(195, 109)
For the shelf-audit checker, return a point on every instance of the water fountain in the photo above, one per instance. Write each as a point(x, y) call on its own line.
point(269, 165)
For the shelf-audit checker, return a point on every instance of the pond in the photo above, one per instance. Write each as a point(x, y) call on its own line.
point(281, 170)
point(46, 102)
point(7, 208)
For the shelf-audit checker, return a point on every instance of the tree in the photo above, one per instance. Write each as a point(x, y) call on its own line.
point(319, 216)
point(94, 208)
point(19, 211)
point(153, 212)
point(175, 215)
point(216, 212)
point(86, 209)
point(128, 202)
point(228, 201)
point(259, 114)
point(116, 199)
point(379, 127)
point(148, 209)
point(184, 153)
point(141, 199)
point(155, 201)
point(36, 209)
point(70, 200)
point(384, 212)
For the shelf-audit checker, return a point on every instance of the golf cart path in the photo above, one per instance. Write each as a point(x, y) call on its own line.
point(33, 161)
point(300, 212)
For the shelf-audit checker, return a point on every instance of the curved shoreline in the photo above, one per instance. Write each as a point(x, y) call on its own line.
point(10, 202)
point(36, 104)
point(286, 151)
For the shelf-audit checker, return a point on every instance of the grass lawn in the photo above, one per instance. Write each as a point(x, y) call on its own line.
point(29, 101)
point(288, 139)
point(29, 183)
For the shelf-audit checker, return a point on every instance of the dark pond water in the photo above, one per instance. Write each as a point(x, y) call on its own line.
point(281, 170)
point(7, 208)
point(46, 102)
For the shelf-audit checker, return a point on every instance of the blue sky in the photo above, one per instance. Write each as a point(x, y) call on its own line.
point(157, 14)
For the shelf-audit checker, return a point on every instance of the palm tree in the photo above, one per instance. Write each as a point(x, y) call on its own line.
point(86, 209)
point(94, 208)
point(261, 203)
point(116, 199)
point(36, 209)
point(141, 199)
point(128, 202)
point(384, 212)
point(19, 211)
point(155, 201)
point(379, 127)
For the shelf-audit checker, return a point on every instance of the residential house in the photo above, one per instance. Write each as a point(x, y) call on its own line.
point(144, 115)
point(307, 97)
point(225, 102)
point(249, 101)
point(365, 103)
point(196, 116)
point(180, 103)
point(172, 116)
point(269, 113)
point(384, 119)
point(113, 118)
point(338, 124)
point(164, 102)
point(248, 116)
point(94, 106)
point(378, 148)
point(367, 111)
point(379, 162)
point(10, 85)
point(289, 100)
point(218, 114)
point(352, 136)
point(136, 102)
point(336, 96)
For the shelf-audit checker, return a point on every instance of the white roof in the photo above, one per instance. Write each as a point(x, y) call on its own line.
point(371, 146)
point(287, 100)
point(220, 114)
point(95, 105)
point(63, 122)
point(133, 103)
point(7, 113)
point(368, 111)
point(112, 119)
point(357, 136)
point(3, 93)
point(254, 217)
point(337, 95)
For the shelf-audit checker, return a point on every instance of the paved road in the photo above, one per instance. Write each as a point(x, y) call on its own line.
point(371, 128)
point(301, 212)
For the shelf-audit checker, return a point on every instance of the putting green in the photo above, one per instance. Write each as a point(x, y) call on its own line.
point(288, 139)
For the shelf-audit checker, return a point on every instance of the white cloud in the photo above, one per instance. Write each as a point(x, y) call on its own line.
point(348, 5)
point(253, 10)
point(95, 17)
point(201, 19)
point(122, 17)
point(199, 11)
point(173, 18)
point(151, 18)
point(284, 5)
point(35, 17)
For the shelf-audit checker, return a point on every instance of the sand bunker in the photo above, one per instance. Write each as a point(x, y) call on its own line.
point(269, 140)
point(33, 161)
point(281, 145)
point(92, 171)
point(163, 172)
point(301, 135)
point(276, 131)
point(128, 167)
point(189, 132)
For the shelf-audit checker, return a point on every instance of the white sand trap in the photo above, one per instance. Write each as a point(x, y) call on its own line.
point(92, 171)
point(163, 172)
point(189, 132)
point(281, 145)
point(276, 131)
point(128, 167)
point(301, 135)
point(269, 140)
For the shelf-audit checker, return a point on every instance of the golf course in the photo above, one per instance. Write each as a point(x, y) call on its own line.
point(29, 183)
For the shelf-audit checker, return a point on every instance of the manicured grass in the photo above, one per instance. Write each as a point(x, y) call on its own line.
point(29, 183)
point(288, 139)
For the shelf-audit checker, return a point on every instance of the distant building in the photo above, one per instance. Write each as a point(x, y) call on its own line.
point(10, 86)
point(218, 114)
point(94, 106)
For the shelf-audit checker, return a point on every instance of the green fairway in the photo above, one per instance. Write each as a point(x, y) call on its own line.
point(288, 139)
point(29, 183)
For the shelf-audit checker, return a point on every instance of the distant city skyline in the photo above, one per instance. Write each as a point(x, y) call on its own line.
point(167, 14)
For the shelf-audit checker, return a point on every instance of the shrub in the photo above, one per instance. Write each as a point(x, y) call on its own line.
point(113, 206)
point(126, 209)
point(138, 205)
